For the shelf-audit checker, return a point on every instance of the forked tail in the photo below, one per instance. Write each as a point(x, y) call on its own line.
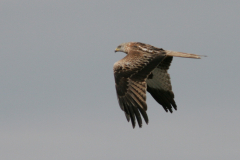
point(184, 55)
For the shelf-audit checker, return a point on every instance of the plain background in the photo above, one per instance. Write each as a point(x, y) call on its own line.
point(57, 93)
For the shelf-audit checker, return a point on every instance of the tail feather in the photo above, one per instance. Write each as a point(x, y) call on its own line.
point(184, 55)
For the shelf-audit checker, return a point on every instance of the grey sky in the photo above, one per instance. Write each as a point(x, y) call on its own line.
point(57, 93)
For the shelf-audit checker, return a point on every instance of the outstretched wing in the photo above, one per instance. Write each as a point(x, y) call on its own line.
point(130, 74)
point(159, 85)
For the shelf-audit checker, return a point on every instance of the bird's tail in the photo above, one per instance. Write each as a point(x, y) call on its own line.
point(184, 55)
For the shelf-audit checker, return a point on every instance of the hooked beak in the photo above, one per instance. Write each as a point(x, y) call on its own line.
point(116, 50)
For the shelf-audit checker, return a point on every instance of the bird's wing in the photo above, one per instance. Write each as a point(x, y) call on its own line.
point(130, 75)
point(159, 85)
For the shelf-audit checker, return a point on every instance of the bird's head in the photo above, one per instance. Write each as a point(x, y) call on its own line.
point(122, 48)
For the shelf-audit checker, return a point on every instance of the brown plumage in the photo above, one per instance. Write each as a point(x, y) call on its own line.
point(144, 69)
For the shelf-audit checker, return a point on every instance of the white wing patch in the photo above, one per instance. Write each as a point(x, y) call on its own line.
point(145, 49)
point(158, 79)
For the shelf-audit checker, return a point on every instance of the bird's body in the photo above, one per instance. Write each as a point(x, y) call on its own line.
point(144, 69)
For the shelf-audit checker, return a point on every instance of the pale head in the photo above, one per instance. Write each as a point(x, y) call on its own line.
point(123, 47)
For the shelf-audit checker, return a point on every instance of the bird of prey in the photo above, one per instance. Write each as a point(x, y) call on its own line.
point(144, 69)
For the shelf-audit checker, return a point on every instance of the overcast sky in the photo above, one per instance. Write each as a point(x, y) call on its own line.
point(57, 93)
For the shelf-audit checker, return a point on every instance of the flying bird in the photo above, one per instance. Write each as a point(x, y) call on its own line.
point(144, 69)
